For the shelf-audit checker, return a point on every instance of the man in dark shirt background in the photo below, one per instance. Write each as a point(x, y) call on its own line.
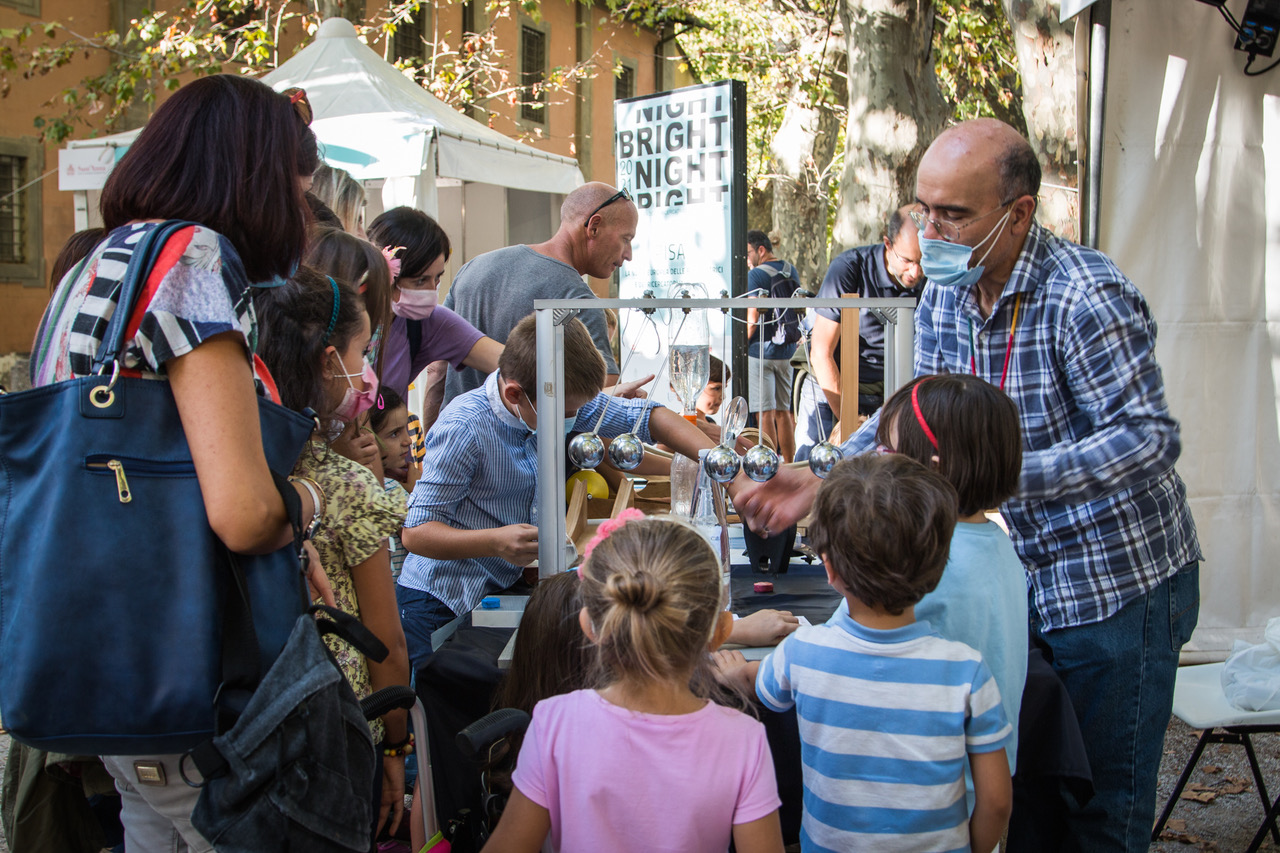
point(890, 268)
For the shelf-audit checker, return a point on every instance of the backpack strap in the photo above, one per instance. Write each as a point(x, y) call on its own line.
point(414, 329)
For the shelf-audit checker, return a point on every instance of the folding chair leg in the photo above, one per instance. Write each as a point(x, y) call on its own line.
point(1267, 807)
point(1206, 737)
point(1269, 821)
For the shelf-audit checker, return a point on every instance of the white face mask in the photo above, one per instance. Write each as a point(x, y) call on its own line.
point(414, 304)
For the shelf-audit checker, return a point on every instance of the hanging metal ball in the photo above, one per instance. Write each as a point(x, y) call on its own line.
point(626, 451)
point(760, 463)
point(823, 457)
point(721, 464)
point(586, 450)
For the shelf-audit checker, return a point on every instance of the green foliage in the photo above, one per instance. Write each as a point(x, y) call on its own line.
point(976, 63)
point(778, 49)
point(199, 37)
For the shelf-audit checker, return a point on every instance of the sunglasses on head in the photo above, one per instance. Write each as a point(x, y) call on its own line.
point(623, 193)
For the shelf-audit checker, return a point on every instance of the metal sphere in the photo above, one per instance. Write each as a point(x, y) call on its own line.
point(626, 451)
point(586, 450)
point(760, 463)
point(721, 464)
point(823, 457)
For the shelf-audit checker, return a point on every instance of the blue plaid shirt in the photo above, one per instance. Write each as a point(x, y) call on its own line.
point(1101, 516)
point(481, 471)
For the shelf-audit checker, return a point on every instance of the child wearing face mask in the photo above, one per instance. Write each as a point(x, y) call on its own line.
point(472, 522)
point(314, 338)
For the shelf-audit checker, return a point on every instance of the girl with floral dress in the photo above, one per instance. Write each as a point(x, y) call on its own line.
point(315, 339)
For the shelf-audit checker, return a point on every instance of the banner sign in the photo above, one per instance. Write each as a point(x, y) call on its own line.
point(682, 155)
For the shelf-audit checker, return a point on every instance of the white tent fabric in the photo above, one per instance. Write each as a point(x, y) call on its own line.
point(376, 123)
point(1191, 211)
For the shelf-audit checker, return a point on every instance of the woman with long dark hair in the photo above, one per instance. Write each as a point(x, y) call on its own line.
point(230, 154)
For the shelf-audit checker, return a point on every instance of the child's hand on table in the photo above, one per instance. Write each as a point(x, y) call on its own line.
point(734, 670)
point(763, 628)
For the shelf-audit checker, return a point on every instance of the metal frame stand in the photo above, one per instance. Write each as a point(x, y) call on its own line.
point(552, 314)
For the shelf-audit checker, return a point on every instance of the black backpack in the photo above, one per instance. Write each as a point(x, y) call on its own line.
point(783, 283)
point(296, 770)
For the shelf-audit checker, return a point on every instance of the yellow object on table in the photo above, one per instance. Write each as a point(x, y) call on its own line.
point(596, 485)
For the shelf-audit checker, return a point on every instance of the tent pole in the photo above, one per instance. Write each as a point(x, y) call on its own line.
point(1099, 27)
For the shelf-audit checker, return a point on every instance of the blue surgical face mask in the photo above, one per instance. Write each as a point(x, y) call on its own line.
point(947, 264)
point(569, 420)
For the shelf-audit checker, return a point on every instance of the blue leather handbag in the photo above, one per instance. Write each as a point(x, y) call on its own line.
point(117, 599)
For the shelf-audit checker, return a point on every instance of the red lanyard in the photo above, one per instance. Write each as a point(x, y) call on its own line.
point(1008, 347)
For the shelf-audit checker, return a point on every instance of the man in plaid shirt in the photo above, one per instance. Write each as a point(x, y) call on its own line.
point(1100, 520)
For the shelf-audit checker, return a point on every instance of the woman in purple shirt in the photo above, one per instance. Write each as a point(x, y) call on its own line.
point(422, 331)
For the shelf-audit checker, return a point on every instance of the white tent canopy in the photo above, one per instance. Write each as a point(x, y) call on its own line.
point(383, 128)
point(376, 123)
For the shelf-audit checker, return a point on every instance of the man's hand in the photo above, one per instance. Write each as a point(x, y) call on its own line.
point(763, 628)
point(633, 390)
point(516, 543)
point(358, 445)
point(776, 504)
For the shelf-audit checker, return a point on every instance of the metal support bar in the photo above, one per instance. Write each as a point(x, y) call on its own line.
point(550, 396)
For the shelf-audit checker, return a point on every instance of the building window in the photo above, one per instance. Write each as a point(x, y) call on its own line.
point(29, 7)
point(21, 165)
point(13, 215)
point(469, 17)
point(625, 84)
point(409, 42)
point(533, 74)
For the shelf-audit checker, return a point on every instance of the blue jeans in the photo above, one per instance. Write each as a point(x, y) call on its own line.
point(1120, 673)
point(813, 419)
point(421, 613)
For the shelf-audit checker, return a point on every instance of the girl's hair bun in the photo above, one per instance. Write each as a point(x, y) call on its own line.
point(637, 591)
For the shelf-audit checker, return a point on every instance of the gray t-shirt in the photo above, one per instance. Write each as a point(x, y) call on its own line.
point(494, 291)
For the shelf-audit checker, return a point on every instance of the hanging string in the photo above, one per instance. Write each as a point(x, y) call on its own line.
point(613, 392)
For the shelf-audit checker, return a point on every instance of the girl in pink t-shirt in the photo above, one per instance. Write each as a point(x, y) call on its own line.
point(646, 761)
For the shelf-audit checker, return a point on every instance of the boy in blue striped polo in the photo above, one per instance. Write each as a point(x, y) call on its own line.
point(887, 708)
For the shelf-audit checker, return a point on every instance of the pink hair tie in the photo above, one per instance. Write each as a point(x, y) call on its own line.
point(915, 404)
point(605, 529)
point(393, 263)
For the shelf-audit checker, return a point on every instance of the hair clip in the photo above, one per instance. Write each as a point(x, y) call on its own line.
point(333, 317)
point(393, 263)
point(607, 527)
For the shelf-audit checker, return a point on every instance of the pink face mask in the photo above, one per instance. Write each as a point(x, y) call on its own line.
point(414, 304)
point(354, 402)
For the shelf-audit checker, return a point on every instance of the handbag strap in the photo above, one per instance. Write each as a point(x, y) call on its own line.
point(242, 669)
point(135, 275)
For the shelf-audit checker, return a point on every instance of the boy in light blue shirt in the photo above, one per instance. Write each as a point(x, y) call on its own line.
point(888, 710)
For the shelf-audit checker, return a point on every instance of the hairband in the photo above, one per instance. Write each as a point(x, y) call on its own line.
point(607, 527)
point(915, 404)
point(333, 318)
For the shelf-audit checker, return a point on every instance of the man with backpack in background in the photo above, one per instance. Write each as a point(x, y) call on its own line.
point(771, 341)
point(888, 269)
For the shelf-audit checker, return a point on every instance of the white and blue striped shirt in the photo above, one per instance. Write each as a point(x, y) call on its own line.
point(480, 471)
point(886, 720)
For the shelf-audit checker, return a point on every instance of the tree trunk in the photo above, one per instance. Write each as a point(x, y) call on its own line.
point(802, 152)
point(1046, 61)
point(895, 111)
